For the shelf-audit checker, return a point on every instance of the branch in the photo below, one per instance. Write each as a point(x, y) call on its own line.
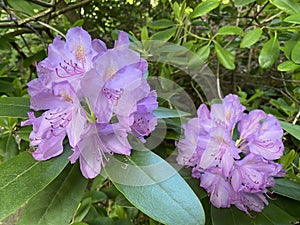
point(20, 22)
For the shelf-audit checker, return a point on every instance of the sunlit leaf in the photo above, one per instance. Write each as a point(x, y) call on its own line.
point(269, 53)
point(203, 8)
point(292, 129)
point(230, 30)
point(225, 57)
point(288, 6)
point(251, 37)
point(154, 187)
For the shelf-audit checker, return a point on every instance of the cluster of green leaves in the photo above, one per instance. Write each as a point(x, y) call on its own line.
point(252, 44)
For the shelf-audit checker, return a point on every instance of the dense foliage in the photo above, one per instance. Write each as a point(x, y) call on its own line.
point(216, 47)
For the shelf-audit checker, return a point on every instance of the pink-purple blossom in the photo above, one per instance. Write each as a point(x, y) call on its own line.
point(232, 153)
point(92, 95)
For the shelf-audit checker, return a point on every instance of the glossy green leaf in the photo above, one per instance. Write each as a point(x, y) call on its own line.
point(288, 6)
point(163, 113)
point(293, 19)
point(269, 53)
point(204, 52)
point(271, 215)
point(295, 56)
point(6, 87)
point(230, 30)
point(155, 188)
point(290, 44)
point(242, 2)
point(14, 107)
point(287, 188)
point(292, 129)
point(288, 66)
point(251, 37)
point(225, 57)
point(164, 35)
point(203, 8)
point(18, 175)
point(161, 24)
point(56, 203)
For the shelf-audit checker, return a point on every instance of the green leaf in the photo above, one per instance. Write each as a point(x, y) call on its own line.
point(269, 53)
point(290, 44)
point(155, 188)
point(225, 57)
point(288, 6)
point(293, 19)
point(22, 177)
point(162, 113)
point(292, 129)
point(83, 209)
point(164, 35)
point(6, 86)
point(287, 66)
point(24, 6)
point(204, 52)
point(271, 215)
point(230, 30)
point(57, 203)
point(242, 2)
point(161, 24)
point(144, 34)
point(14, 107)
point(204, 7)
point(287, 188)
point(251, 37)
point(24, 132)
point(295, 56)
point(8, 147)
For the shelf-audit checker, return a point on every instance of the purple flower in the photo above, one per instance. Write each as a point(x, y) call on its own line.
point(94, 96)
point(64, 116)
point(231, 152)
point(97, 141)
point(144, 120)
point(217, 186)
point(263, 134)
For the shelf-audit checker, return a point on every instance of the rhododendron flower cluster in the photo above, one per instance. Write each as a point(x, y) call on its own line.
point(93, 95)
point(232, 153)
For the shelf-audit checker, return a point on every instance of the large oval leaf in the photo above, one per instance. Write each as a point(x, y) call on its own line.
point(269, 53)
point(251, 37)
point(288, 6)
point(14, 107)
point(154, 187)
point(22, 177)
point(204, 7)
point(57, 203)
point(225, 57)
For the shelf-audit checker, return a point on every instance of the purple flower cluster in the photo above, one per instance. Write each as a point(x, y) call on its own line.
point(232, 153)
point(93, 95)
